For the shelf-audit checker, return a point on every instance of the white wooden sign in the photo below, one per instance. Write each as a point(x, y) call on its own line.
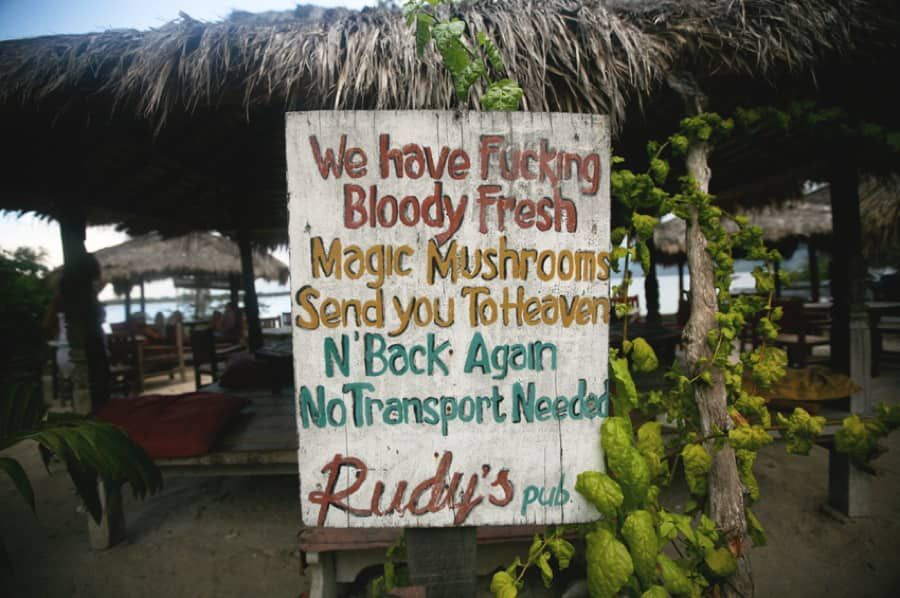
point(449, 274)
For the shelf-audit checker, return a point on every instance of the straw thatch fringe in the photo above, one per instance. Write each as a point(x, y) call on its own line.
point(151, 257)
point(808, 218)
point(567, 55)
point(879, 206)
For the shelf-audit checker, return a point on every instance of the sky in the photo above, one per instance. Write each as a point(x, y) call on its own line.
point(30, 18)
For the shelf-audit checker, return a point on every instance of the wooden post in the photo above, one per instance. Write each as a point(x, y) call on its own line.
point(848, 281)
point(651, 287)
point(234, 287)
point(680, 277)
point(128, 302)
point(442, 560)
point(90, 378)
point(813, 260)
point(777, 265)
point(143, 299)
point(726, 498)
point(111, 529)
point(251, 305)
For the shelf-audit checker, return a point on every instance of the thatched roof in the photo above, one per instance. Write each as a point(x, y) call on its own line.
point(568, 55)
point(151, 257)
point(880, 212)
point(806, 219)
point(188, 118)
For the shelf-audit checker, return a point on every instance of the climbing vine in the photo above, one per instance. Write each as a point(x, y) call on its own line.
point(626, 547)
point(469, 60)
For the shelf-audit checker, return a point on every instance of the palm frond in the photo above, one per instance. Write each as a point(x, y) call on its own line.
point(90, 449)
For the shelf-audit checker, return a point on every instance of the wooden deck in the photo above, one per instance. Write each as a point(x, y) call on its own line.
point(262, 441)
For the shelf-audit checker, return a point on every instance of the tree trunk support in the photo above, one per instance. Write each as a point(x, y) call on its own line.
point(651, 287)
point(251, 305)
point(814, 284)
point(442, 560)
point(726, 495)
point(234, 288)
point(777, 265)
point(128, 303)
point(851, 343)
point(143, 299)
point(90, 378)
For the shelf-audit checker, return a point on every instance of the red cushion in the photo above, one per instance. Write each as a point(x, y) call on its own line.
point(164, 426)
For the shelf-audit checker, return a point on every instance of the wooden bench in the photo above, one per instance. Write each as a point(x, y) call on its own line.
point(261, 441)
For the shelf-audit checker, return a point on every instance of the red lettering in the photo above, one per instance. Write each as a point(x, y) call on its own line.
point(329, 498)
point(328, 162)
point(354, 209)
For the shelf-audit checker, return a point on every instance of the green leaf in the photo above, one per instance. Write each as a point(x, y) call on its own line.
point(503, 585)
point(19, 478)
point(625, 397)
point(659, 170)
point(801, 430)
point(749, 405)
point(644, 225)
point(751, 438)
point(424, 22)
point(562, 549)
point(859, 440)
point(618, 235)
point(451, 48)
point(655, 592)
point(473, 71)
point(643, 357)
point(608, 564)
point(650, 445)
point(643, 256)
point(721, 562)
point(640, 536)
point(543, 564)
point(745, 460)
point(601, 491)
point(767, 365)
point(697, 463)
point(888, 415)
point(675, 579)
point(503, 95)
point(492, 53)
point(755, 529)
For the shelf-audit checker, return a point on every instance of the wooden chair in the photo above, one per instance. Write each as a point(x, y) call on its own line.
point(208, 355)
point(126, 371)
point(799, 334)
point(273, 322)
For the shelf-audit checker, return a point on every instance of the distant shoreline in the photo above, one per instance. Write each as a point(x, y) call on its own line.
point(135, 300)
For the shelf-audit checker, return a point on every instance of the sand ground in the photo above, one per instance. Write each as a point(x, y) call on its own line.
point(237, 536)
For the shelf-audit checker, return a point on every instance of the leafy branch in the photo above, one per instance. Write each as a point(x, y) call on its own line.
point(468, 61)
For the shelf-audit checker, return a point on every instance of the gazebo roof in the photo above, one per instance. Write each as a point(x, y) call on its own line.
point(182, 127)
point(152, 257)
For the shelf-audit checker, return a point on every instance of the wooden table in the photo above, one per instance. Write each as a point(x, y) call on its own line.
point(277, 334)
point(876, 310)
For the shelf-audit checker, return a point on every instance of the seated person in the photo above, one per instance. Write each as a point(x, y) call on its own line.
point(232, 326)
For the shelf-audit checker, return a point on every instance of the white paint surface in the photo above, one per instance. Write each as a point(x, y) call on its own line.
point(535, 454)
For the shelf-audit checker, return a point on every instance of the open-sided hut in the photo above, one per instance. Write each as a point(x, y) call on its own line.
point(153, 257)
